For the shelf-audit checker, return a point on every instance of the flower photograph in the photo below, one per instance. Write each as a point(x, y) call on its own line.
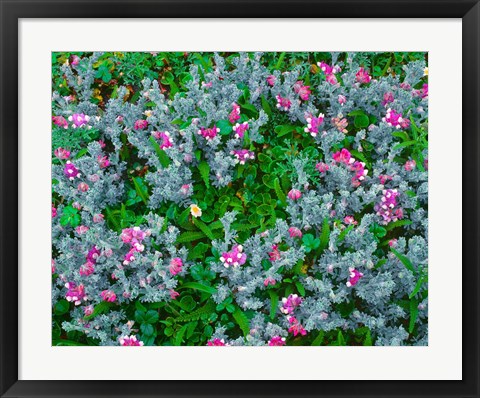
point(239, 199)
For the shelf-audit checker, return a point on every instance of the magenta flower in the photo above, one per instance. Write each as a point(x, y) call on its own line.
point(271, 80)
point(164, 137)
point(79, 120)
point(242, 155)
point(209, 134)
point(329, 72)
point(88, 310)
point(75, 60)
point(313, 124)
point(54, 211)
point(75, 293)
point(342, 99)
point(274, 255)
point(355, 276)
point(395, 119)
point(140, 124)
point(240, 129)
point(129, 257)
point(71, 171)
point(277, 341)
point(234, 258)
point(360, 172)
point(350, 220)
point(322, 167)
point(81, 229)
point(133, 236)
point(87, 269)
point(108, 296)
point(295, 232)
point(173, 294)
point(387, 98)
point(362, 76)
point(60, 121)
point(296, 328)
point(176, 265)
point(294, 194)
point(343, 156)
point(93, 254)
point(216, 343)
point(290, 303)
point(269, 281)
point(283, 103)
point(83, 187)
point(392, 242)
point(302, 91)
point(61, 153)
point(103, 161)
point(386, 208)
point(131, 341)
point(384, 178)
point(235, 114)
point(410, 165)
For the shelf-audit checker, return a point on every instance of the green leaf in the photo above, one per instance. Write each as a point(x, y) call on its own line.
point(141, 189)
point(418, 286)
point(300, 288)
point(198, 251)
point(187, 303)
point(280, 60)
point(204, 228)
point(62, 342)
point(242, 321)
point(61, 307)
point(198, 286)
point(319, 339)
point(273, 303)
point(100, 308)
point(340, 339)
point(201, 313)
point(284, 130)
point(343, 234)
point(151, 316)
point(190, 236)
point(404, 260)
point(266, 106)
point(368, 339)
point(413, 314)
point(264, 210)
point(398, 223)
point(224, 126)
point(161, 154)
point(204, 169)
point(324, 236)
point(278, 190)
point(179, 336)
point(361, 121)
point(147, 329)
point(404, 144)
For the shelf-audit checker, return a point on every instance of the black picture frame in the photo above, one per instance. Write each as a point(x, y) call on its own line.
point(12, 10)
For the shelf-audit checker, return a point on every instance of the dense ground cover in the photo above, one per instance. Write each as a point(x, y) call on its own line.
point(239, 198)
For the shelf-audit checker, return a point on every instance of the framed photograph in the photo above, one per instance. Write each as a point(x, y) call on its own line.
point(256, 198)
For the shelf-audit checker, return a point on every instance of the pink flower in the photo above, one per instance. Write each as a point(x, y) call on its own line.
point(340, 124)
point(410, 165)
point(235, 114)
point(173, 294)
point(395, 119)
point(75, 60)
point(129, 257)
point(54, 211)
point(294, 194)
point(405, 86)
point(83, 187)
point(216, 343)
point(87, 269)
point(103, 161)
point(295, 232)
point(354, 277)
point(60, 121)
point(140, 124)
point(392, 242)
point(384, 178)
point(269, 281)
point(343, 156)
point(386, 207)
point(77, 205)
point(362, 76)
point(350, 220)
point(277, 341)
point(79, 120)
point(131, 341)
point(98, 218)
point(75, 293)
point(88, 310)
point(93, 254)
point(234, 258)
point(71, 171)
point(176, 265)
point(108, 296)
point(296, 328)
point(302, 91)
point(164, 136)
point(242, 155)
point(274, 255)
point(207, 85)
point(185, 189)
point(387, 98)
point(342, 99)
point(81, 229)
point(240, 129)
point(313, 124)
point(322, 167)
point(102, 143)
point(61, 153)
point(290, 303)
point(271, 80)
point(134, 236)
point(283, 103)
point(209, 134)
point(360, 172)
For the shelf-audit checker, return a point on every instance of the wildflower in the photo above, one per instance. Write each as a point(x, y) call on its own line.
point(195, 211)
point(296, 328)
point(294, 232)
point(130, 341)
point(87, 269)
point(54, 211)
point(148, 113)
point(103, 161)
point(322, 167)
point(340, 124)
point(79, 120)
point(294, 194)
point(75, 293)
point(242, 155)
point(176, 265)
point(277, 341)
point(235, 114)
point(209, 134)
point(164, 136)
point(329, 72)
point(425, 71)
point(98, 218)
point(283, 103)
point(343, 156)
point(386, 207)
point(234, 258)
point(140, 124)
point(108, 296)
point(185, 189)
point(274, 255)
point(93, 254)
point(302, 91)
point(77, 205)
point(207, 85)
point(240, 129)
point(410, 165)
point(405, 86)
point(350, 220)
point(217, 343)
point(269, 281)
point(384, 178)
point(61, 153)
point(71, 171)
point(355, 276)
point(360, 172)
point(60, 121)
point(395, 119)
point(271, 80)
point(88, 310)
point(129, 257)
point(290, 303)
point(387, 98)
point(83, 187)
point(392, 242)
point(362, 76)
point(173, 294)
point(81, 229)
point(342, 99)
point(313, 124)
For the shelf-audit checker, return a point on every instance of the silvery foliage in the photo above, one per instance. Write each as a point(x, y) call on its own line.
point(148, 279)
